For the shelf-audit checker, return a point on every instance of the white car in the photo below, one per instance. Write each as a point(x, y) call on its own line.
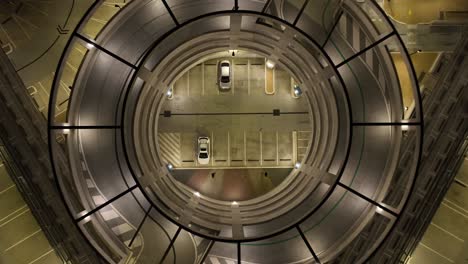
point(203, 150)
point(224, 75)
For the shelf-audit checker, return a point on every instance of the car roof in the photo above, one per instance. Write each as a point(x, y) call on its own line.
point(224, 71)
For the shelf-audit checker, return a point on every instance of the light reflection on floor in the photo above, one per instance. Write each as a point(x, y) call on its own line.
point(232, 184)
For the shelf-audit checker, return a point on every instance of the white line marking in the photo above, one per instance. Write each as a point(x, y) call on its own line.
point(212, 148)
point(127, 242)
point(233, 81)
point(120, 229)
point(462, 182)
point(448, 232)
point(226, 259)
point(41, 256)
point(22, 240)
point(89, 183)
point(229, 148)
point(22, 207)
point(245, 148)
point(98, 199)
point(17, 20)
point(203, 78)
point(277, 148)
point(214, 260)
point(108, 215)
point(435, 252)
point(136, 242)
point(43, 89)
point(248, 77)
point(455, 210)
point(261, 148)
point(8, 188)
point(188, 83)
point(8, 37)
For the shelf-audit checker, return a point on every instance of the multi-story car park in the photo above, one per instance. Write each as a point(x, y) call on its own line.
point(339, 138)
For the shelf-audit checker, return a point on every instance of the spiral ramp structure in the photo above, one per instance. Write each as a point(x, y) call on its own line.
point(344, 192)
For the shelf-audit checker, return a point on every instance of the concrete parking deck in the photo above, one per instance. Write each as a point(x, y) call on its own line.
point(19, 230)
point(445, 239)
point(239, 128)
point(421, 11)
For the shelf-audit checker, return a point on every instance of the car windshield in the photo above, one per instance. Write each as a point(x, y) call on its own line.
point(203, 149)
point(225, 79)
point(203, 155)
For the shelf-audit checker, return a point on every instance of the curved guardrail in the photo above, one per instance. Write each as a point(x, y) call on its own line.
point(377, 127)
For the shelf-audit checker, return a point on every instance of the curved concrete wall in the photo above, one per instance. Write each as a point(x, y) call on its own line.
point(347, 205)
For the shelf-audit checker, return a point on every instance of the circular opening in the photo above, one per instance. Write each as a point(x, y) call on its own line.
point(95, 153)
point(234, 127)
point(235, 142)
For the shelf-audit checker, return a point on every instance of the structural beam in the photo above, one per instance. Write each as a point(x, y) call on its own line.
point(308, 244)
point(366, 49)
point(332, 28)
point(367, 199)
point(101, 48)
point(105, 204)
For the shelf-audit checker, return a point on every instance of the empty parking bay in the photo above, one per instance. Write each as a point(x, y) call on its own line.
point(210, 78)
point(240, 76)
point(188, 148)
point(268, 148)
point(181, 86)
point(257, 77)
point(220, 144)
point(253, 148)
point(195, 82)
point(285, 149)
point(236, 139)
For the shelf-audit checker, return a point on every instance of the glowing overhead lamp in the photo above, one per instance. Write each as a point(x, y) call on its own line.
point(170, 166)
point(270, 64)
point(297, 91)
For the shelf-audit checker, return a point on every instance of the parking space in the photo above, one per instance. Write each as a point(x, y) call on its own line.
point(257, 77)
point(210, 78)
point(303, 138)
point(20, 230)
point(252, 143)
point(239, 121)
point(181, 87)
point(235, 148)
point(422, 11)
point(241, 77)
point(248, 78)
point(282, 83)
point(269, 148)
point(220, 148)
point(285, 148)
point(444, 241)
point(187, 149)
point(195, 81)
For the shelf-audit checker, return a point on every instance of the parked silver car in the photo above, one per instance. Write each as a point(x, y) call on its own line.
point(203, 156)
point(224, 73)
